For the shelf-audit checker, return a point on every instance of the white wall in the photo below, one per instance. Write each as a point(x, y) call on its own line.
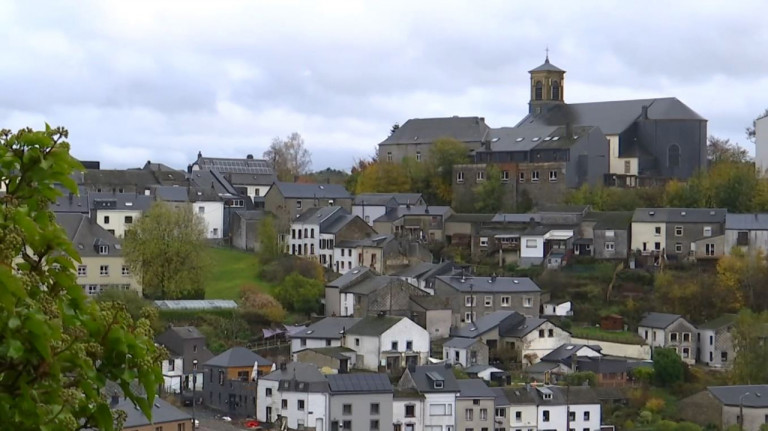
point(761, 144)
point(309, 240)
point(528, 416)
point(263, 401)
point(654, 337)
point(117, 220)
point(444, 421)
point(449, 356)
point(758, 239)
point(252, 190)
point(347, 304)
point(591, 422)
point(633, 351)
point(212, 214)
point(311, 343)
point(349, 256)
point(541, 346)
point(172, 380)
point(526, 251)
point(558, 417)
point(645, 232)
point(315, 405)
point(407, 330)
point(617, 163)
point(369, 213)
point(367, 352)
point(398, 413)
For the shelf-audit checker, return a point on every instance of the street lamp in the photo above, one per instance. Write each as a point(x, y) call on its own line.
point(194, 386)
point(741, 408)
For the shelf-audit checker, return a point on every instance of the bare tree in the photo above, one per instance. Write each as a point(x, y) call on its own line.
point(751, 130)
point(722, 150)
point(289, 157)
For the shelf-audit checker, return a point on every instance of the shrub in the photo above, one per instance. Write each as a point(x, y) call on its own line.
point(261, 304)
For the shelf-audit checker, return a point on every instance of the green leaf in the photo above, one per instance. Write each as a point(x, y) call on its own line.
point(15, 349)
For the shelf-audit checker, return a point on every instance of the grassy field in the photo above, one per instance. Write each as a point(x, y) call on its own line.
point(230, 269)
point(598, 334)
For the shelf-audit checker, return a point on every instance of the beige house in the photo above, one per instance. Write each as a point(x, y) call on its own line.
point(102, 265)
point(117, 212)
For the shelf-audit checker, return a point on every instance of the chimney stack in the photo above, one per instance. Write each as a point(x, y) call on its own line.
point(115, 399)
point(645, 112)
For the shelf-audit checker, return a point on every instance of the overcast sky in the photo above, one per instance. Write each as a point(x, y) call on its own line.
point(158, 80)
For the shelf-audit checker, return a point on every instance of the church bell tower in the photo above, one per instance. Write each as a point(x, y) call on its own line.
point(547, 87)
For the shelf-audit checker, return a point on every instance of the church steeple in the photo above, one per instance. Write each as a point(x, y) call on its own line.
point(547, 86)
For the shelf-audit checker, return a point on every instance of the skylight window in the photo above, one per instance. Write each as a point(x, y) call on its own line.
point(536, 139)
point(519, 139)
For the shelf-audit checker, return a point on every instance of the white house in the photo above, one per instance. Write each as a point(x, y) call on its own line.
point(393, 341)
point(761, 144)
point(328, 332)
point(296, 391)
point(716, 343)
point(563, 408)
point(520, 408)
point(748, 232)
point(408, 412)
point(117, 212)
point(669, 331)
point(173, 373)
point(370, 206)
point(212, 213)
point(438, 386)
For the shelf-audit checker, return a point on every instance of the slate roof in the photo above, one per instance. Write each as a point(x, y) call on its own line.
point(523, 328)
point(360, 383)
point(612, 117)
point(119, 201)
point(312, 191)
point(658, 320)
point(400, 212)
point(162, 412)
point(565, 352)
point(542, 367)
point(499, 398)
point(546, 67)
point(428, 130)
point(329, 327)
point(422, 378)
point(374, 325)
point(87, 236)
point(333, 352)
point(120, 177)
point(172, 194)
point(508, 139)
point(486, 323)
point(602, 365)
point(374, 199)
point(187, 332)
point(516, 218)
point(251, 215)
point(460, 343)
point(423, 269)
point(249, 179)
point(746, 221)
point(469, 218)
point(318, 215)
point(72, 203)
point(489, 285)
point(376, 241)
point(730, 395)
point(610, 220)
point(350, 277)
point(520, 395)
point(238, 357)
point(474, 388)
point(573, 395)
point(300, 372)
point(212, 180)
point(724, 320)
point(679, 215)
point(372, 284)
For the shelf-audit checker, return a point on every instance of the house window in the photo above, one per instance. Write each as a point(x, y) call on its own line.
point(673, 154)
point(128, 219)
point(505, 176)
point(678, 247)
point(550, 333)
point(709, 249)
point(125, 271)
point(742, 238)
point(627, 167)
point(586, 416)
point(500, 413)
point(470, 301)
point(657, 246)
point(374, 408)
point(469, 414)
point(489, 301)
point(483, 241)
point(724, 356)
point(409, 345)
point(469, 317)
point(678, 231)
point(538, 91)
point(460, 177)
point(394, 346)
point(527, 301)
point(103, 249)
point(284, 404)
point(374, 424)
point(572, 416)
point(483, 414)
point(82, 270)
point(312, 249)
point(707, 230)
point(531, 243)
point(106, 219)
point(534, 176)
point(505, 301)
point(686, 352)
point(418, 156)
point(221, 378)
point(657, 230)
point(541, 333)
point(243, 375)
point(389, 156)
point(480, 176)
point(410, 410)
point(171, 365)
point(609, 246)
point(303, 342)
point(298, 205)
point(521, 177)
point(346, 409)
point(518, 416)
point(328, 343)
point(686, 337)
point(552, 176)
point(673, 337)
point(555, 90)
point(300, 405)
point(104, 270)
point(357, 342)
point(545, 415)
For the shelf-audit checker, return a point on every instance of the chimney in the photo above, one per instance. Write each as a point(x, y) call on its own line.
point(199, 154)
point(249, 157)
point(115, 399)
point(644, 115)
point(189, 169)
point(569, 130)
point(493, 278)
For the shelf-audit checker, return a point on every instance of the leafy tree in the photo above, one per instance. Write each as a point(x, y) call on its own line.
point(668, 368)
point(682, 195)
point(166, 250)
point(253, 300)
point(722, 150)
point(489, 194)
point(300, 294)
point(269, 249)
point(751, 130)
point(135, 305)
point(394, 129)
point(743, 276)
point(749, 337)
point(383, 177)
point(357, 170)
point(57, 348)
point(288, 157)
point(443, 155)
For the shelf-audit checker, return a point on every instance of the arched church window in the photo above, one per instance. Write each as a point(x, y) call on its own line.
point(539, 91)
point(555, 90)
point(673, 155)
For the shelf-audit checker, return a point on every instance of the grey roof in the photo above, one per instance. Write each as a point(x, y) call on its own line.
point(521, 395)
point(425, 269)
point(330, 219)
point(249, 179)
point(312, 191)
point(251, 215)
point(350, 277)
point(424, 375)
point(486, 323)
point(72, 203)
point(523, 328)
point(372, 284)
point(460, 343)
point(722, 321)
point(337, 352)
point(731, 395)
point(426, 210)
point(300, 373)
point(238, 357)
point(572, 395)
point(360, 383)
point(474, 388)
point(195, 304)
point(490, 284)
point(610, 220)
point(160, 167)
point(375, 199)
point(565, 351)
point(338, 223)
point(612, 117)
point(119, 201)
point(172, 193)
point(499, 398)
point(374, 325)
point(516, 218)
point(475, 369)
point(187, 332)
point(469, 218)
point(658, 320)
point(542, 367)
point(603, 365)
point(428, 130)
point(329, 327)
point(247, 165)
point(679, 215)
point(546, 67)
point(162, 412)
point(375, 241)
point(213, 180)
point(746, 221)
point(87, 236)
point(505, 139)
point(120, 177)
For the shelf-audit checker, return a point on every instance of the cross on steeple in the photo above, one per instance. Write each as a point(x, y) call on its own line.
point(547, 51)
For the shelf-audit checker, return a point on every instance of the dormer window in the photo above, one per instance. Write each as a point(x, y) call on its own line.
point(438, 384)
point(103, 249)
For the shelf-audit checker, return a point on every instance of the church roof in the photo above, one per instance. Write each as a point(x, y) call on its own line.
point(428, 130)
point(547, 67)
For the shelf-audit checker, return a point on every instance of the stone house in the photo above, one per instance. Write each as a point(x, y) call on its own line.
point(465, 352)
point(475, 405)
point(289, 200)
point(670, 331)
point(604, 235)
point(339, 359)
point(389, 342)
point(749, 232)
point(715, 342)
point(370, 206)
point(360, 401)
point(385, 254)
point(189, 345)
point(231, 383)
point(362, 292)
point(245, 229)
point(433, 313)
point(417, 223)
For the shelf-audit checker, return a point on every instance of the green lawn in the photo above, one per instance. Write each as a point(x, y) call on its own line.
point(597, 334)
point(230, 269)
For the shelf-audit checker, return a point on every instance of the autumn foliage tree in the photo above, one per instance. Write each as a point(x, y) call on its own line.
point(383, 177)
point(289, 157)
point(253, 300)
point(58, 349)
point(749, 335)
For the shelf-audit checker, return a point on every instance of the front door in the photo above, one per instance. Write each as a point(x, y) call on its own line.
point(269, 414)
point(232, 402)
